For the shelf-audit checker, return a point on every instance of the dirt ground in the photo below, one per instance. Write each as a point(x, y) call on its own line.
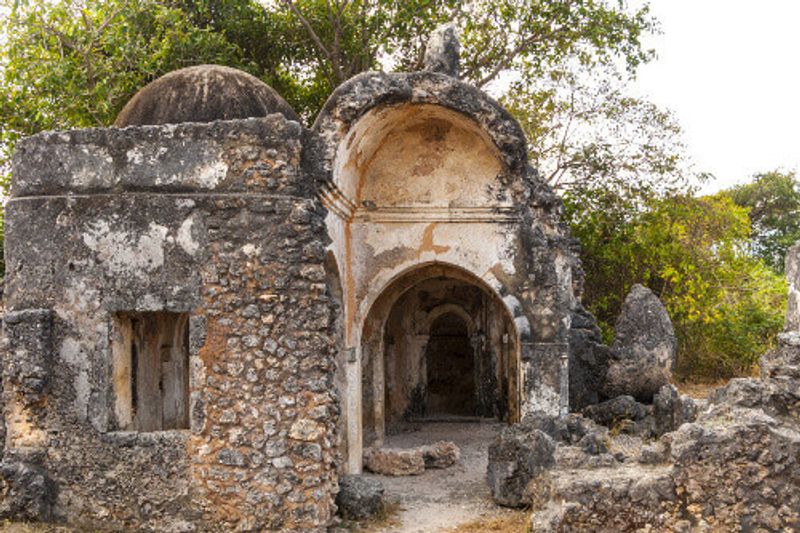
point(452, 499)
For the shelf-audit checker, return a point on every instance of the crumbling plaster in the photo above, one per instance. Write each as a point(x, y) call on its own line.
point(423, 169)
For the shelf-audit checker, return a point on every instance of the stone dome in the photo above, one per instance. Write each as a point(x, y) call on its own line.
point(202, 93)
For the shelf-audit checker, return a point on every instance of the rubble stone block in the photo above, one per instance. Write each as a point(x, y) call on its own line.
point(517, 457)
point(394, 462)
point(359, 497)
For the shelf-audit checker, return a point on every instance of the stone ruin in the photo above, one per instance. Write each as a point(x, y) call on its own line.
point(212, 311)
point(728, 463)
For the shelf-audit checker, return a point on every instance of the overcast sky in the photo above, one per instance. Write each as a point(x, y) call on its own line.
point(730, 70)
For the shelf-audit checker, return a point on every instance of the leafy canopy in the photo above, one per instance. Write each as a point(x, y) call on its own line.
point(693, 252)
point(75, 63)
point(773, 203)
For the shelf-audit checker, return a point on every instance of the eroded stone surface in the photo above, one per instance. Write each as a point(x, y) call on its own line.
point(359, 498)
point(442, 53)
point(517, 459)
point(394, 462)
point(735, 467)
point(671, 410)
point(442, 454)
point(644, 348)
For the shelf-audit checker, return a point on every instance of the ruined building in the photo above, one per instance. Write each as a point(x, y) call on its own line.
point(212, 309)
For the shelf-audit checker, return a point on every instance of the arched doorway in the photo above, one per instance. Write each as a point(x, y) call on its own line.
point(437, 342)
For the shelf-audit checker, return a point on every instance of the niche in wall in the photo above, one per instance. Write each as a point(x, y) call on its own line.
point(151, 371)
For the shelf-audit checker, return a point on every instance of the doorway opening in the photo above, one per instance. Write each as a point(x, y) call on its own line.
point(437, 343)
point(450, 365)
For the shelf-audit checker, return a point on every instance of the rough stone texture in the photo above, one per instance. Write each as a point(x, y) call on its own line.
point(643, 353)
point(735, 468)
point(202, 93)
point(442, 53)
point(517, 459)
point(611, 412)
point(588, 360)
point(442, 454)
point(253, 236)
point(609, 499)
point(394, 462)
point(218, 221)
point(26, 490)
point(359, 498)
point(792, 269)
point(567, 429)
point(671, 410)
point(505, 237)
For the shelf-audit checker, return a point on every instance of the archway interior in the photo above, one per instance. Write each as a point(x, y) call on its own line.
point(438, 344)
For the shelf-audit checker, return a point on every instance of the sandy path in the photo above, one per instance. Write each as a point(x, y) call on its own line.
point(441, 499)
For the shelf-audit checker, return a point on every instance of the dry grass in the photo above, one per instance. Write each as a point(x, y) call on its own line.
point(699, 390)
point(508, 522)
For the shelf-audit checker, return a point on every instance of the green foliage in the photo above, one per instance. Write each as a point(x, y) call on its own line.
point(726, 305)
point(773, 203)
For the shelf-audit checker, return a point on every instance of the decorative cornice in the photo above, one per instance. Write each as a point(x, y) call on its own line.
point(406, 214)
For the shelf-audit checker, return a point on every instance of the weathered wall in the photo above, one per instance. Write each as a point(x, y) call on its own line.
point(424, 169)
point(218, 221)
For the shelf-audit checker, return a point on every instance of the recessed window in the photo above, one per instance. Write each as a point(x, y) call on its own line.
point(151, 371)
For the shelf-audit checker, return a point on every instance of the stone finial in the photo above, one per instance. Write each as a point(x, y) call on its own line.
point(793, 279)
point(442, 53)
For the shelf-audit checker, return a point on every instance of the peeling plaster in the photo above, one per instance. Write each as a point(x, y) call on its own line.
point(184, 237)
point(124, 252)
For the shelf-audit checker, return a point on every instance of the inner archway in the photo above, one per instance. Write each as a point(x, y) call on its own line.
point(450, 365)
point(437, 342)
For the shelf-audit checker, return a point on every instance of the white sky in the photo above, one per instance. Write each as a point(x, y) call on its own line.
point(730, 70)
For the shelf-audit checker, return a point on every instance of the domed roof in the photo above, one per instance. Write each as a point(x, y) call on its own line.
point(203, 93)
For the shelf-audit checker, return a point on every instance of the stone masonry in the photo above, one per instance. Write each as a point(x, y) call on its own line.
point(211, 310)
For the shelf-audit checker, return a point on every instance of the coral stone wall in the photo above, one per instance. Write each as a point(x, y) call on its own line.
point(215, 221)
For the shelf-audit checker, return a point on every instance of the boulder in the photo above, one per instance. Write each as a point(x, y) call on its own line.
point(628, 498)
point(588, 360)
point(394, 462)
point(611, 412)
point(644, 348)
point(517, 458)
point(359, 497)
point(568, 429)
point(441, 454)
point(671, 410)
point(739, 470)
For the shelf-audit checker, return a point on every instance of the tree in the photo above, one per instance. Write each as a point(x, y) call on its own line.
point(773, 203)
point(726, 305)
point(73, 63)
point(585, 132)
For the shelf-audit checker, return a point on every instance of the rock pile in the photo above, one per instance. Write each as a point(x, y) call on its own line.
point(734, 465)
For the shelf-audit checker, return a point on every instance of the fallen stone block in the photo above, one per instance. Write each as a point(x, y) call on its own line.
point(394, 461)
point(359, 498)
point(517, 458)
point(441, 454)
